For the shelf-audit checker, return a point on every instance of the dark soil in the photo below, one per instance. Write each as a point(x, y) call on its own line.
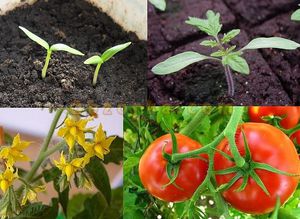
point(275, 74)
point(68, 82)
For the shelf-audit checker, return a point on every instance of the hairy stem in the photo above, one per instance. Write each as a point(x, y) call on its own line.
point(96, 74)
point(43, 152)
point(229, 80)
point(48, 57)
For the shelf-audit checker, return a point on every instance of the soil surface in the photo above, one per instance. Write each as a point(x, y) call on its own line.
point(275, 74)
point(69, 82)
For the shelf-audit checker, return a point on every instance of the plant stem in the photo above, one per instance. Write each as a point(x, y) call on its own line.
point(193, 124)
point(229, 80)
point(96, 74)
point(43, 152)
point(48, 57)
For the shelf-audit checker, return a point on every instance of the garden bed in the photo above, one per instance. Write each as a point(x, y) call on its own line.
point(69, 82)
point(274, 75)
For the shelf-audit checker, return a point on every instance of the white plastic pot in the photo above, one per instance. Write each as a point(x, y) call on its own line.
point(130, 14)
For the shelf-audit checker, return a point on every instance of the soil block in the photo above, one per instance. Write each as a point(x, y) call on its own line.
point(78, 24)
point(204, 82)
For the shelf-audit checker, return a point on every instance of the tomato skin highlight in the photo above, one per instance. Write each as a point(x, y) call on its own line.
point(291, 113)
point(152, 169)
point(267, 145)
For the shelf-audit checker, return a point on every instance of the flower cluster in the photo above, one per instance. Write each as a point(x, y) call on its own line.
point(81, 148)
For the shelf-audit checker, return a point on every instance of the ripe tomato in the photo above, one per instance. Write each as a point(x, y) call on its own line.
point(291, 114)
point(152, 169)
point(268, 145)
point(295, 137)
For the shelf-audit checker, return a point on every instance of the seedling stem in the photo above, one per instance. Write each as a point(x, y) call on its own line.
point(96, 74)
point(48, 57)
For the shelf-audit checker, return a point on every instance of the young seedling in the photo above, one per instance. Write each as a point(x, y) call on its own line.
point(159, 4)
point(230, 58)
point(55, 47)
point(99, 60)
point(296, 15)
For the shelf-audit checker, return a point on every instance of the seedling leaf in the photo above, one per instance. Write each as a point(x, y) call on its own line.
point(237, 63)
point(177, 62)
point(272, 42)
point(35, 38)
point(94, 60)
point(296, 15)
point(210, 43)
point(230, 35)
point(63, 47)
point(112, 51)
point(211, 25)
point(159, 4)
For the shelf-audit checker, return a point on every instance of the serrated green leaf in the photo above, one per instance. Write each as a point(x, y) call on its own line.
point(218, 54)
point(230, 35)
point(130, 163)
point(211, 25)
point(94, 60)
point(177, 62)
point(296, 15)
point(63, 47)
point(159, 4)
point(237, 63)
point(76, 204)
point(51, 174)
point(272, 42)
point(112, 51)
point(210, 43)
point(35, 38)
point(99, 176)
point(116, 152)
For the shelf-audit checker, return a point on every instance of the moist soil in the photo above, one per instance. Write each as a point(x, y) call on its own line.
point(78, 24)
point(275, 74)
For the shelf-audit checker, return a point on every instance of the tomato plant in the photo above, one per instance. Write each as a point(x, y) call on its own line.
point(191, 171)
point(260, 161)
point(289, 114)
point(268, 145)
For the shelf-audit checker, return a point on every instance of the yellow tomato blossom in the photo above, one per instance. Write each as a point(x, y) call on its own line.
point(100, 146)
point(7, 178)
point(30, 194)
point(14, 152)
point(69, 168)
point(73, 131)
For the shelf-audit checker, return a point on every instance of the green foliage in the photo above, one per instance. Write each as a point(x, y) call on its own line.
point(296, 15)
point(116, 152)
point(159, 4)
point(99, 60)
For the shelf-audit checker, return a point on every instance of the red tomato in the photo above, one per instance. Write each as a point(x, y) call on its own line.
point(295, 137)
point(291, 114)
point(152, 169)
point(268, 145)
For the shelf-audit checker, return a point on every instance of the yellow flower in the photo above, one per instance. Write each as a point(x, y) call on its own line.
point(7, 178)
point(100, 146)
point(14, 152)
point(69, 168)
point(73, 131)
point(30, 194)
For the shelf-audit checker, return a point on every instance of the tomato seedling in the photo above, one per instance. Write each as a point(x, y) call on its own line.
point(228, 56)
point(50, 49)
point(159, 4)
point(99, 60)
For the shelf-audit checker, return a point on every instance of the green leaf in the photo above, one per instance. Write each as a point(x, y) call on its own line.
point(76, 204)
point(237, 63)
point(230, 35)
point(296, 15)
point(218, 54)
point(38, 211)
point(211, 25)
point(94, 60)
point(112, 51)
point(177, 62)
point(99, 177)
point(159, 4)
point(35, 38)
point(130, 163)
point(63, 47)
point(51, 174)
point(272, 42)
point(210, 43)
point(116, 152)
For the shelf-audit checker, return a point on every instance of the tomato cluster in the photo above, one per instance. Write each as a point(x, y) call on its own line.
point(267, 145)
